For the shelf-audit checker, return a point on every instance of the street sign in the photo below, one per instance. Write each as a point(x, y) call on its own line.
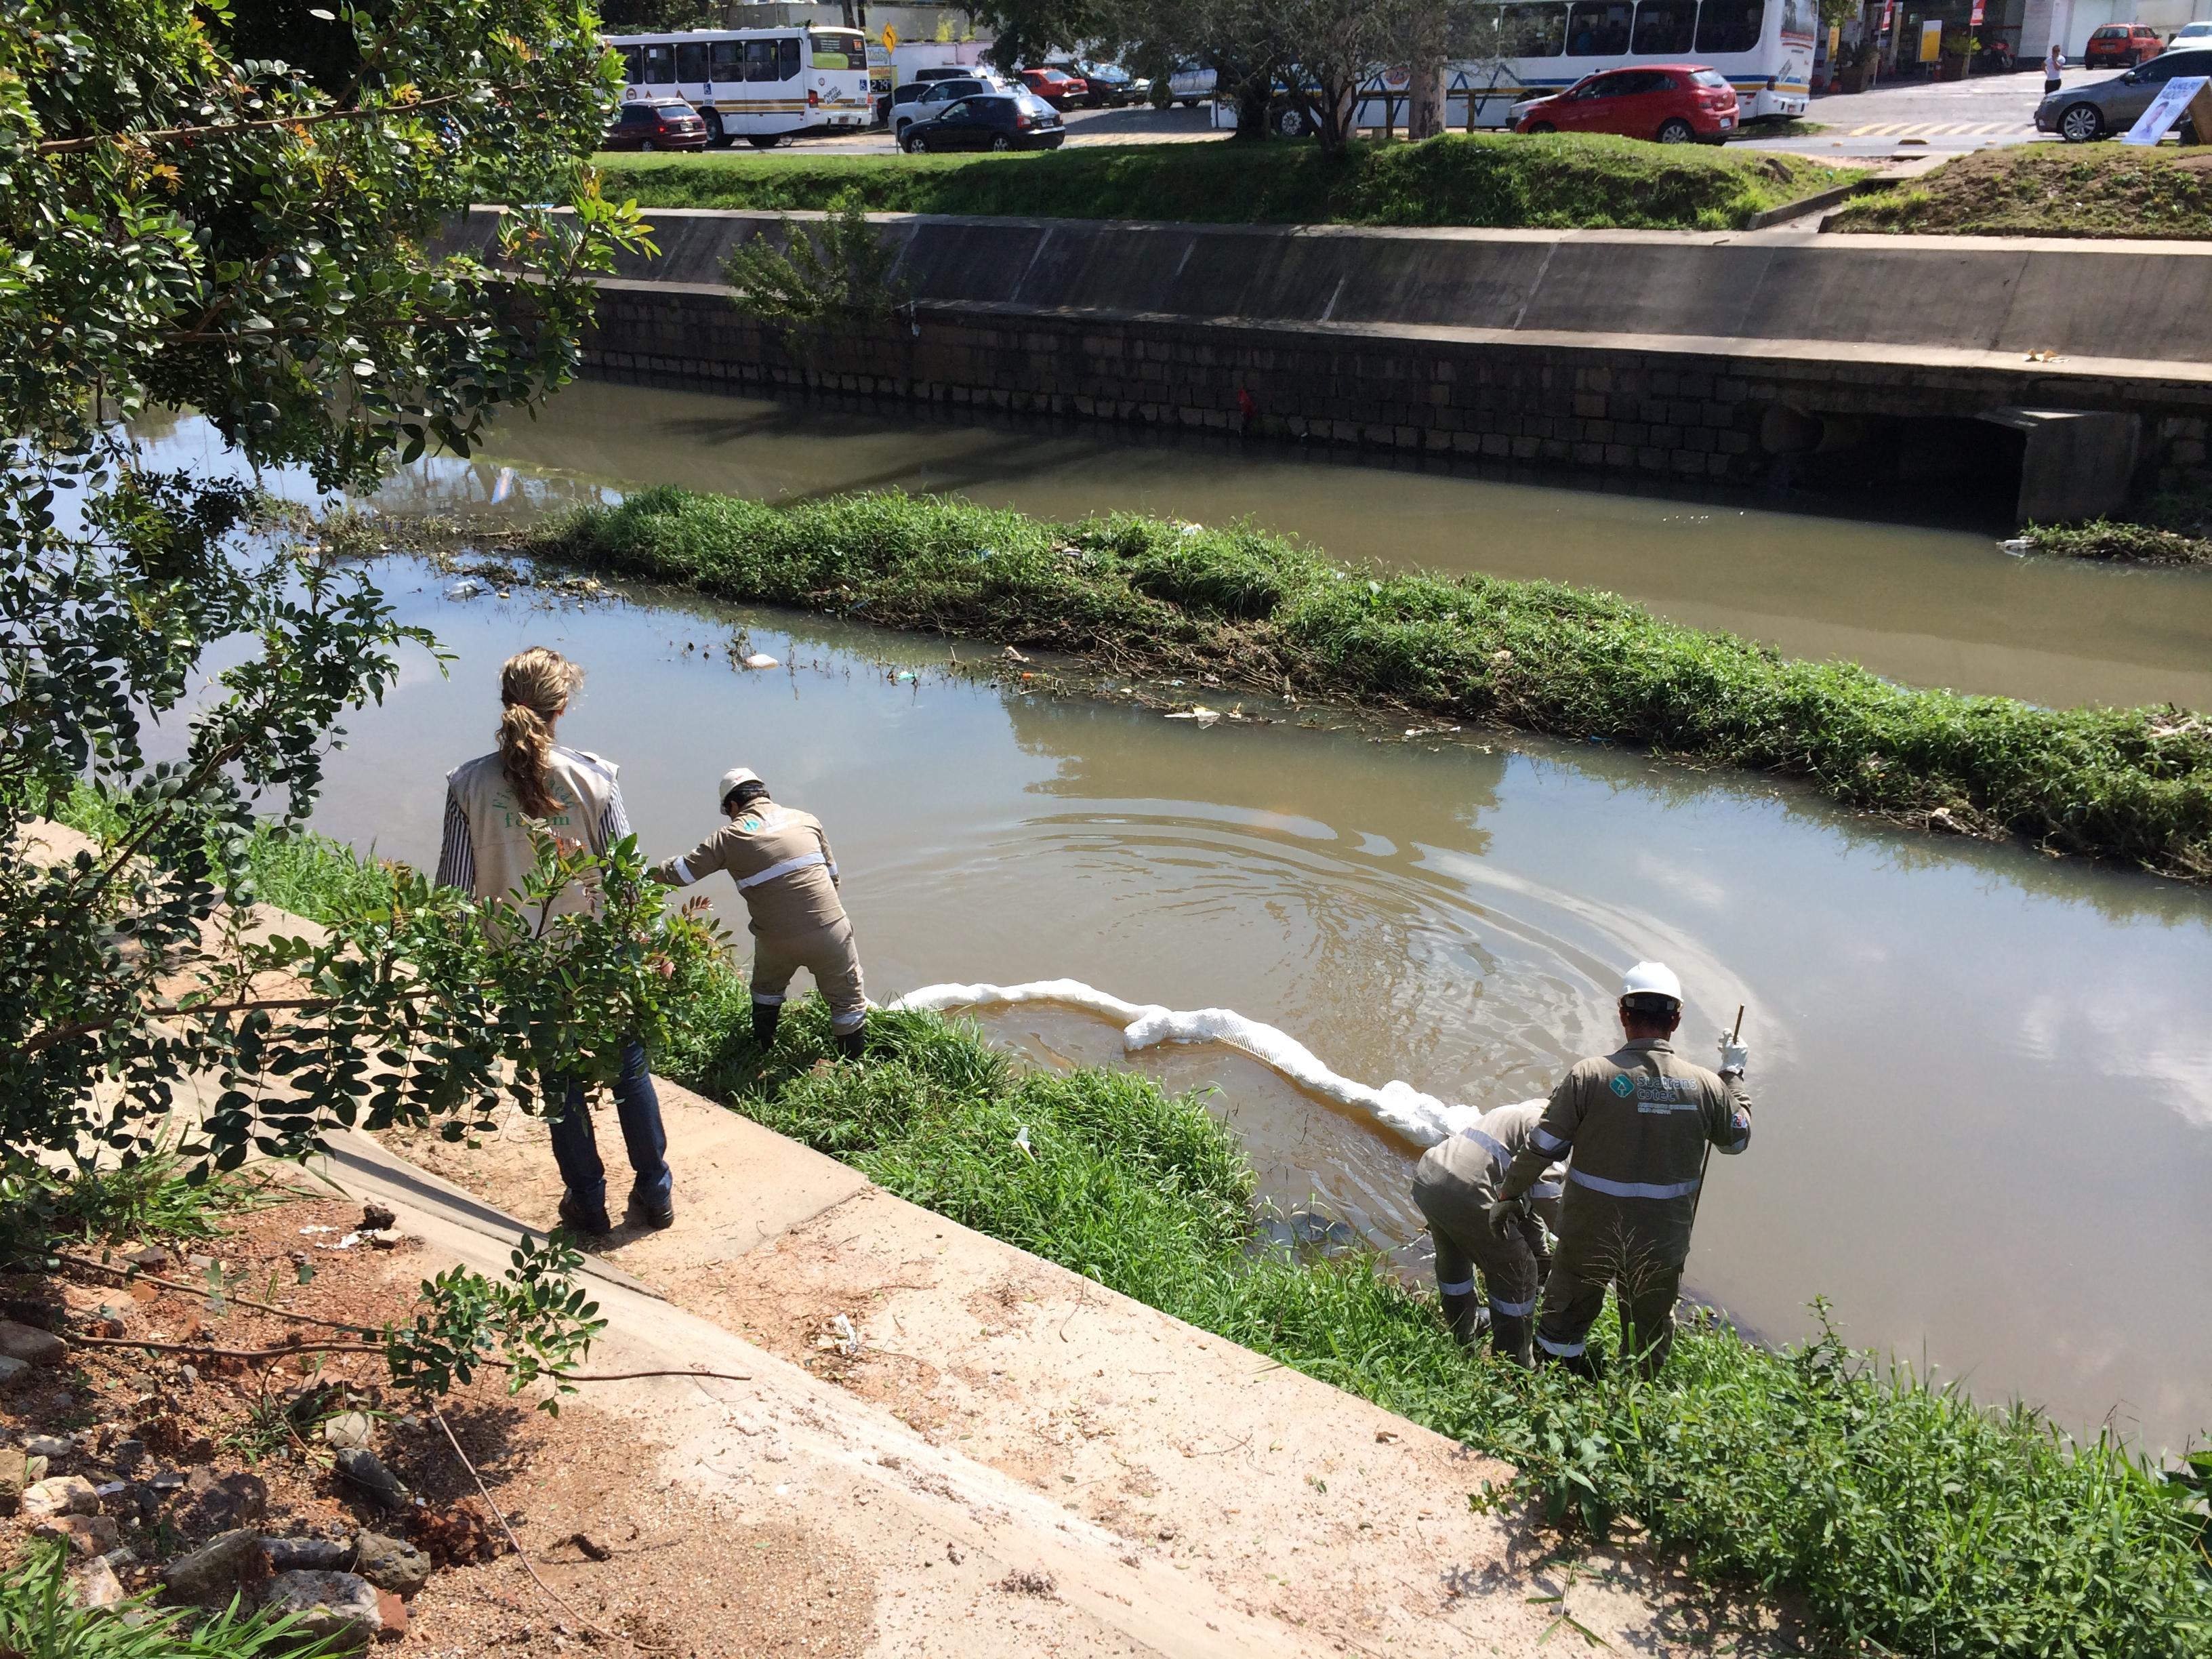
point(2171, 103)
point(1974, 19)
point(890, 39)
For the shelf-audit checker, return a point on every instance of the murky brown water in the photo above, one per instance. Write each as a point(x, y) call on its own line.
point(1984, 1076)
point(1932, 607)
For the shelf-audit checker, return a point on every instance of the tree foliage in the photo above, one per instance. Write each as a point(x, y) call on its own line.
point(189, 223)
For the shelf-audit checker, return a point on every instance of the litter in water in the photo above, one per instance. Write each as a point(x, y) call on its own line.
point(760, 659)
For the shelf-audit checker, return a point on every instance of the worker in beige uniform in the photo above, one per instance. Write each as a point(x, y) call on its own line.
point(1454, 1184)
point(780, 859)
point(1635, 1126)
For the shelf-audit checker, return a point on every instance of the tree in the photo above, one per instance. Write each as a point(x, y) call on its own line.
point(187, 224)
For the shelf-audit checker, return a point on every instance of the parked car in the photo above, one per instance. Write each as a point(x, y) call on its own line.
point(2078, 114)
point(2198, 34)
point(2117, 44)
point(1056, 87)
point(1672, 103)
point(1108, 85)
point(988, 120)
point(655, 124)
point(923, 100)
point(1189, 83)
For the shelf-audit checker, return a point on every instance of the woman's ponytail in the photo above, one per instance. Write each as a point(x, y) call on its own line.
point(535, 686)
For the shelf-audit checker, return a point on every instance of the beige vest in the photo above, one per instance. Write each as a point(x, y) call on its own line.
point(499, 830)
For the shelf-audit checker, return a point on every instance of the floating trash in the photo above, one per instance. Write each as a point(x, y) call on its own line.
point(1201, 714)
point(758, 659)
point(467, 588)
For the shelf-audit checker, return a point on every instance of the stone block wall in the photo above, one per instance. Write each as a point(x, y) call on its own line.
point(1639, 409)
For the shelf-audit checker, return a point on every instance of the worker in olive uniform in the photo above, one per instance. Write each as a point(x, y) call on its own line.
point(780, 859)
point(1635, 1126)
point(1455, 1185)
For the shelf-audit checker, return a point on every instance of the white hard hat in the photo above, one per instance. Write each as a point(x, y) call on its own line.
point(731, 780)
point(1652, 979)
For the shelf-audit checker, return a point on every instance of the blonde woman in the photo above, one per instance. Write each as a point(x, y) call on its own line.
point(491, 805)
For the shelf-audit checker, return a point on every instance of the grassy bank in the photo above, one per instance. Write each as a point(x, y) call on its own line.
point(1265, 614)
point(1560, 181)
point(2050, 189)
point(1907, 1519)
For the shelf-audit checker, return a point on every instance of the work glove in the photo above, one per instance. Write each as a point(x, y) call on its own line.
point(1506, 1214)
point(1735, 1055)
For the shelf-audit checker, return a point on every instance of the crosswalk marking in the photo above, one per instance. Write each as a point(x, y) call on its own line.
point(1936, 130)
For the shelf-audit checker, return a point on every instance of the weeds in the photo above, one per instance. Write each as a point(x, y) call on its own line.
point(1264, 613)
point(149, 1200)
point(40, 1619)
point(1565, 181)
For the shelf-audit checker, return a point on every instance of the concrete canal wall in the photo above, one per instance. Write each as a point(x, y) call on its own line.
point(2085, 366)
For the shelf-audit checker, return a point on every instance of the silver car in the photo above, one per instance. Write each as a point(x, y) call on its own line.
point(2101, 108)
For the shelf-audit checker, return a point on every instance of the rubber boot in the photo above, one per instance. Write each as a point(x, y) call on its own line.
point(1467, 1316)
point(852, 1044)
point(765, 1016)
point(1513, 1336)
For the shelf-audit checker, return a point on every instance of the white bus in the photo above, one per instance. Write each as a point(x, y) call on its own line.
point(763, 85)
point(1536, 47)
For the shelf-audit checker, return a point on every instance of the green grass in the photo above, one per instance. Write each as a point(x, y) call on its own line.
point(2050, 189)
point(1562, 181)
point(39, 1620)
point(2167, 527)
point(1904, 1516)
point(1267, 614)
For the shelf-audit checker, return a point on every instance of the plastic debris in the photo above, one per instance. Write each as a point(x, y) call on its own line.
point(1200, 712)
point(467, 588)
point(759, 660)
point(2017, 545)
point(1022, 1140)
point(849, 1339)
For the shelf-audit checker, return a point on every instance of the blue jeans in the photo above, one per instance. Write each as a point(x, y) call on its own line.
point(576, 1149)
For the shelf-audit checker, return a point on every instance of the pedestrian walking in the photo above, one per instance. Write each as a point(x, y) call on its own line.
point(780, 859)
point(1454, 1184)
point(492, 805)
point(2054, 63)
point(1635, 1126)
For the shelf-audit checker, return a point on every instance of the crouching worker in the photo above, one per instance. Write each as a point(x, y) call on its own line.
point(1455, 1185)
point(782, 864)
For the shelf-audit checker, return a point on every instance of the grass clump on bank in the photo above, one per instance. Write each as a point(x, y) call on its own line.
point(2169, 527)
point(1266, 614)
point(2049, 189)
point(1905, 1517)
point(1556, 181)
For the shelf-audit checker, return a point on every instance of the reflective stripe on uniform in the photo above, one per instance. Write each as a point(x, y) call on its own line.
point(683, 871)
point(1547, 1141)
point(1489, 1144)
point(804, 860)
point(1512, 1309)
point(768, 1001)
point(851, 1022)
point(1460, 1289)
point(1558, 1350)
point(1544, 1189)
point(1634, 1188)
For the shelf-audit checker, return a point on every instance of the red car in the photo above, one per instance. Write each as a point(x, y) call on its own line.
point(655, 124)
point(1056, 87)
point(1672, 103)
point(2122, 45)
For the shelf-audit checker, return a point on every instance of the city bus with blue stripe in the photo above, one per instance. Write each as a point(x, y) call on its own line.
point(762, 85)
point(1527, 49)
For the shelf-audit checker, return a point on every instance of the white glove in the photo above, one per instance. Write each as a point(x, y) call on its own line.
point(1735, 1055)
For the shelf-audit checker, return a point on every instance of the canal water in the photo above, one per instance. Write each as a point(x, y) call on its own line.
point(1984, 1077)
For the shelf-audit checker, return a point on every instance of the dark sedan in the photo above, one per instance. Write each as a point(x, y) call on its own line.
point(656, 124)
point(996, 120)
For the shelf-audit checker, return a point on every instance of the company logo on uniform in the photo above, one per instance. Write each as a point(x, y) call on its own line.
point(749, 823)
point(1623, 1085)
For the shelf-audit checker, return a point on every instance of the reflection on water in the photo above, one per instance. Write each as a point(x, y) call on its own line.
point(1927, 606)
point(1959, 1050)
